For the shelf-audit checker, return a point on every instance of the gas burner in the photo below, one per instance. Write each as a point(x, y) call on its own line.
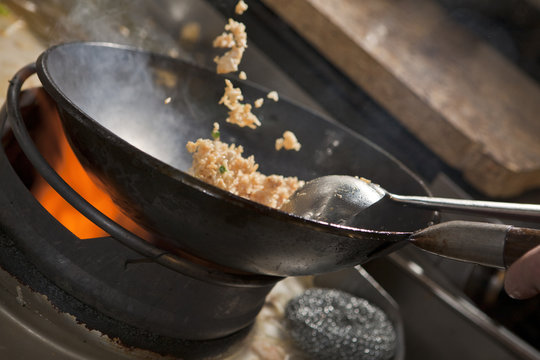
point(187, 308)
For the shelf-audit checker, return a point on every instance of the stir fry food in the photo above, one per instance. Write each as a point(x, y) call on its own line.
point(223, 165)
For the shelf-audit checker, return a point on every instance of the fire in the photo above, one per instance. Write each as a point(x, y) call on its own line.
point(62, 158)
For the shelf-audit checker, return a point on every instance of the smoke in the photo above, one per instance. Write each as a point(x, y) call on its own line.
point(149, 25)
point(123, 91)
point(127, 22)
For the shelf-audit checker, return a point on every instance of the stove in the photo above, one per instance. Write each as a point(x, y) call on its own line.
point(147, 301)
point(97, 298)
point(61, 297)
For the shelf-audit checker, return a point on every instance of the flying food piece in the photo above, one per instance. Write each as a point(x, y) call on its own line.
point(259, 102)
point(273, 95)
point(241, 7)
point(235, 39)
point(239, 114)
point(191, 32)
point(288, 142)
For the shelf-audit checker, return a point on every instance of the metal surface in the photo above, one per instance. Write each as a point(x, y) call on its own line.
point(488, 208)
point(32, 328)
point(349, 196)
point(334, 198)
point(357, 281)
point(439, 321)
point(329, 324)
point(35, 325)
point(480, 243)
point(350, 201)
point(143, 166)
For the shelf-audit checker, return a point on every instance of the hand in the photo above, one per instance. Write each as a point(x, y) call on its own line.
point(523, 277)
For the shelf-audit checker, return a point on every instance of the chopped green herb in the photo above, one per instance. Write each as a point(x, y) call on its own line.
point(222, 169)
point(4, 11)
point(215, 135)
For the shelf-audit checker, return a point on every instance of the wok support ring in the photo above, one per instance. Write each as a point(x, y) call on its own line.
point(116, 231)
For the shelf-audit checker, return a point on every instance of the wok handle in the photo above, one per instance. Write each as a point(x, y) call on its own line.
point(493, 245)
point(494, 208)
point(518, 242)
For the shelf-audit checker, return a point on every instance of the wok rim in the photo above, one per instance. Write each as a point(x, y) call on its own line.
point(63, 101)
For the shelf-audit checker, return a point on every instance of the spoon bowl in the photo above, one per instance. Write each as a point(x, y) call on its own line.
point(346, 200)
point(334, 198)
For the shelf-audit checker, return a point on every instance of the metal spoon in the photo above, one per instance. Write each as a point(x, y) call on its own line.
point(324, 191)
point(344, 199)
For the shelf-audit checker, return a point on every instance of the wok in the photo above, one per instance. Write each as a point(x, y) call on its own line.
point(111, 102)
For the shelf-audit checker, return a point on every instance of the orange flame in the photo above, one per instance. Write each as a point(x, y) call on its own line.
point(62, 158)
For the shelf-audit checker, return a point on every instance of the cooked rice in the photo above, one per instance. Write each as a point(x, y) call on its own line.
point(223, 165)
point(273, 95)
point(241, 7)
point(288, 142)
point(240, 114)
point(234, 38)
point(258, 103)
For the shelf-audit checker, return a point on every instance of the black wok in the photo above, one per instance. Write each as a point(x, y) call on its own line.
point(111, 101)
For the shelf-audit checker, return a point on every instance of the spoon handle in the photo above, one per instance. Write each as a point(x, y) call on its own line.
point(488, 244)
point(530, 211)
